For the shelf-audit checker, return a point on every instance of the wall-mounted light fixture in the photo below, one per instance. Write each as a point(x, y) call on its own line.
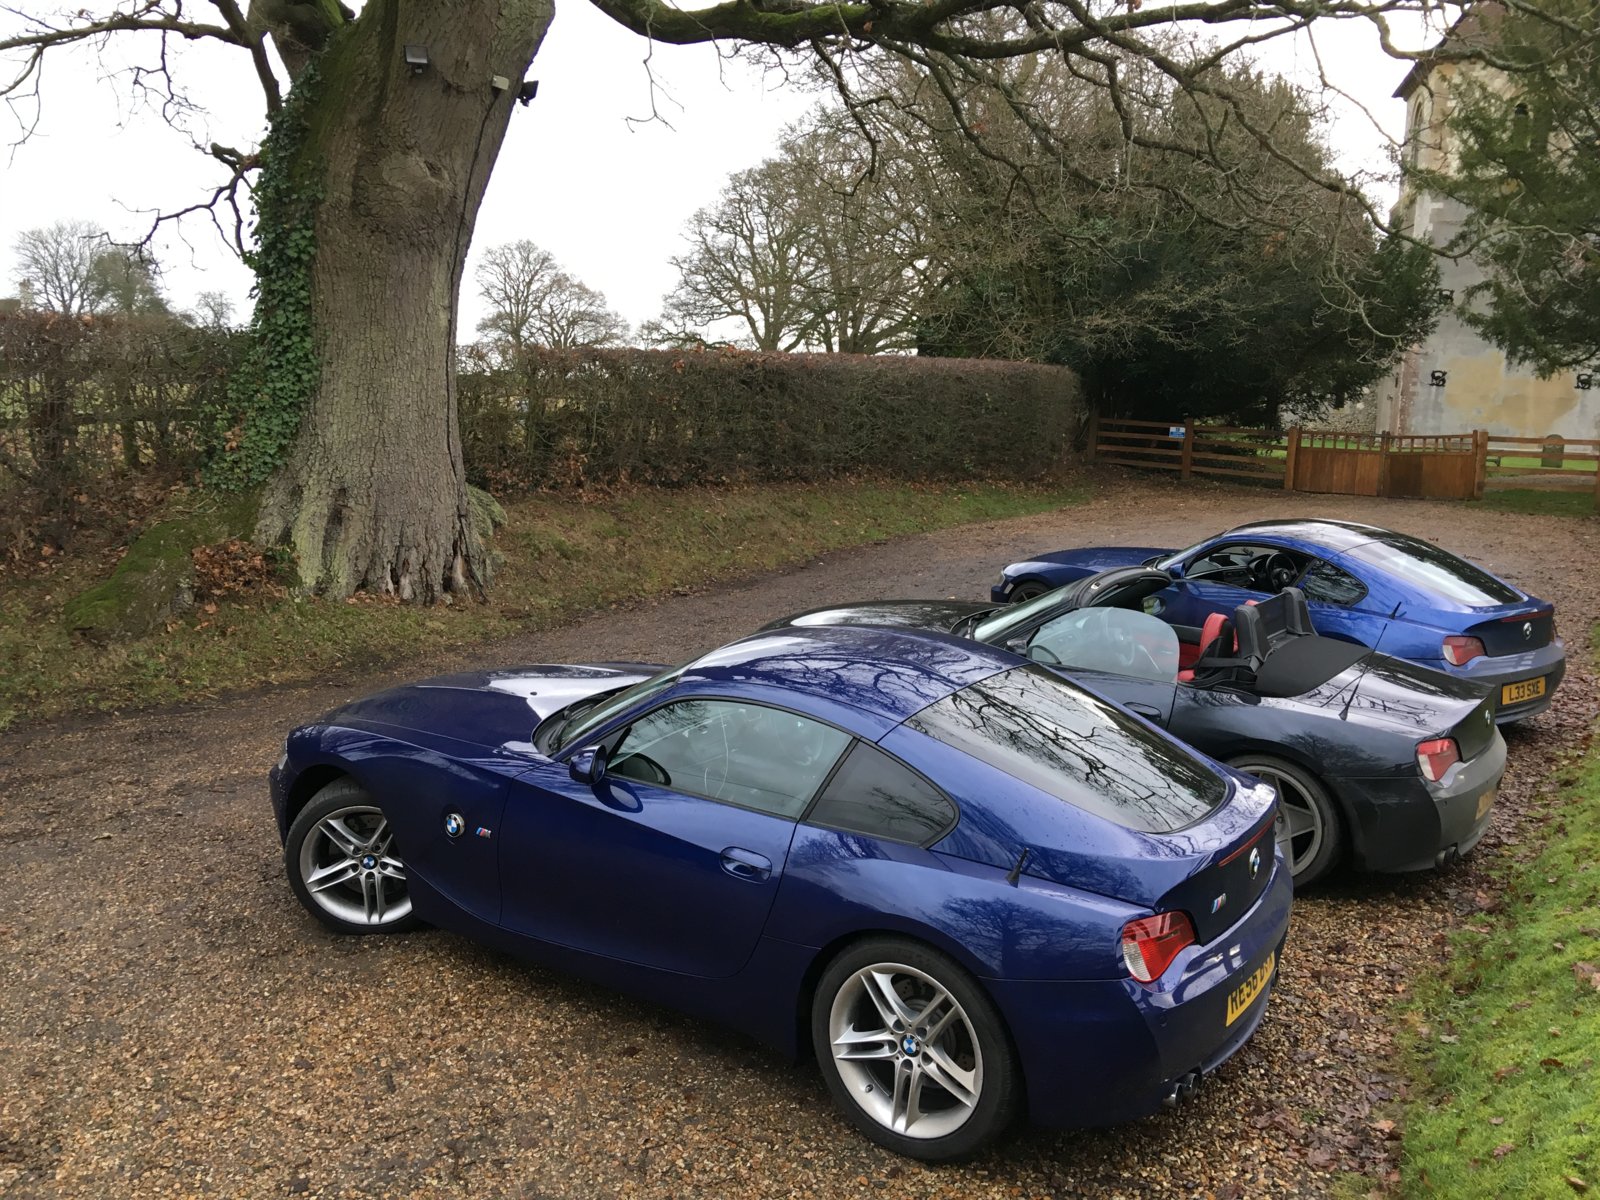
point(528, 90)
point(416, 58)
point(1446, 296)
point(1437, 378)
point(1585, 381)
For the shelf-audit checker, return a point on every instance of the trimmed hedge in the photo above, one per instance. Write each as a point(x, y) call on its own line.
point(563, 419)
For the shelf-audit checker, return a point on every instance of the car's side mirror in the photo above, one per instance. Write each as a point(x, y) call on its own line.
point(1175, 570)
point(587, 765)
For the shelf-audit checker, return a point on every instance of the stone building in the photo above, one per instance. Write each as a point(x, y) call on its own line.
point(1455, 380)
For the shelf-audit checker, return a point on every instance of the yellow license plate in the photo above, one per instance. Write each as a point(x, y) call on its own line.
point(1527, 689)
point(1485, 803)
point(1243, 996)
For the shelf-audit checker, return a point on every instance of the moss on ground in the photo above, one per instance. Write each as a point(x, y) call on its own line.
point(153, 579)
point(561, 558)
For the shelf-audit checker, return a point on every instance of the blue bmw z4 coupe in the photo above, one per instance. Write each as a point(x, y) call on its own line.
point(970, 887)
point(1384, 590)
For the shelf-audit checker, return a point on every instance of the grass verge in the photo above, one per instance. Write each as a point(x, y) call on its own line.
point(1552, 502)
point(1507, 1036)
point(561, 557)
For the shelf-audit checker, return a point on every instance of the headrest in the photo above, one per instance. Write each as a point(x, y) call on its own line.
point(1260, 627)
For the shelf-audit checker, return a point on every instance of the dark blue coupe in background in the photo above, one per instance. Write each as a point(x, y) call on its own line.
point(973, 889)
point(1384, 590)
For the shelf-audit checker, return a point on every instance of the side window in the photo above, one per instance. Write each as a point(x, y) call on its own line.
point(1115, 640)
point(745, 754)
point(1327, 584)
point(871, 793)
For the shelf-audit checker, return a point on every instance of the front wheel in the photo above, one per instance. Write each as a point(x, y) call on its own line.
point(1309, 827)
point(343, 864)
point(1024, 592)
point(913, 1051)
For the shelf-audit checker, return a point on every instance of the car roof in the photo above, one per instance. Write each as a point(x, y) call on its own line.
point(891, 673)
point(1316, 531)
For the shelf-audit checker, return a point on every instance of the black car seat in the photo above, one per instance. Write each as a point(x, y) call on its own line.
point(1262, 628)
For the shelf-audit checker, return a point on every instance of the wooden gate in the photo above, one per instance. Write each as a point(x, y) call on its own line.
point(1434, 468)
point(1345, 464)
point(1412, 467)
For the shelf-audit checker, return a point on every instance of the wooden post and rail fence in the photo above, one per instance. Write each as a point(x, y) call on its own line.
point(1413, 466)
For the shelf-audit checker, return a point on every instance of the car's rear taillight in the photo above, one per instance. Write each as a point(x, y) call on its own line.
point(1459, 651)
point(1151, 943)
point(1436, 757)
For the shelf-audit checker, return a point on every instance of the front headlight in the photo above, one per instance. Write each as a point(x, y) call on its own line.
point(1002, 581)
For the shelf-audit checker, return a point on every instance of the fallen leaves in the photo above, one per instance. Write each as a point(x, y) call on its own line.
point(1587, 972)
point(233, 568)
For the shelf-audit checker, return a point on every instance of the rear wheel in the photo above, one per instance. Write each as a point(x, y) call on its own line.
point(343, 864)
point(913, 1051)
point(1309, 827)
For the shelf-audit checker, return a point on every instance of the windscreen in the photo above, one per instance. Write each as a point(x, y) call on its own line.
point(1119, 641)
point(1070, 744)
point(588, 715)
point(1014, 616)
point(1435, 570)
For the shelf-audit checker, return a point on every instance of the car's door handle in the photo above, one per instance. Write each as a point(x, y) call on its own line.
point(1146, 710)
point(746, 864)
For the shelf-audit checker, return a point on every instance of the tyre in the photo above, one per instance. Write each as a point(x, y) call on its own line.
point(1309, 825)
point(1027, 591)
point(914, 1052)
point(343, 865)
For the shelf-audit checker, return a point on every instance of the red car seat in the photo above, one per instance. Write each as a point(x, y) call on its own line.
point(1218, 628)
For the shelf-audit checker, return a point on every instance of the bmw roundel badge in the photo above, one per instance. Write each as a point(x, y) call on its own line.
point(454, 824)
point(1527, 630)
point(1255, 861)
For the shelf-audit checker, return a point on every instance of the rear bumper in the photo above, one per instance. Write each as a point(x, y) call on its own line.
point(1548, 663)
point(1106, 1051)
point(1407, 824)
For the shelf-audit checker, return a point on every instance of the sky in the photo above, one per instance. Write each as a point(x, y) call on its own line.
point(606, 195)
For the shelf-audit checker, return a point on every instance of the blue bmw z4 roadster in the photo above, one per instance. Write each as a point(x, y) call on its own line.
point(971, 888)
point(1387, 591)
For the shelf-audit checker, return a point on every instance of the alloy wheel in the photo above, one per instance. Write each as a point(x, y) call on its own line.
point(350, 870)
point(1300, 829)
point(906, 1050)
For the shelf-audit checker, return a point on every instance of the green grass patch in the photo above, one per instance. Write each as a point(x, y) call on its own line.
point(561, 558)
point(1511, 463)
point(1506, 1037)
point(1540, 502)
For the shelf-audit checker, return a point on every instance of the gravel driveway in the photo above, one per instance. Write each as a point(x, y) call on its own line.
point(171, 1022)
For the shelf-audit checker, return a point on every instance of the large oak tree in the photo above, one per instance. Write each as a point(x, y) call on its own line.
point(370, 491)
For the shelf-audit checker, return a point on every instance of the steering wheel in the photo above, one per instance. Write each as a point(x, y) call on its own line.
point(1043, 654)
point(1275, 571)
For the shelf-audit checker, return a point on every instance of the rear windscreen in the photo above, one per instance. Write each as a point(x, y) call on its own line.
point(1067, 742)
point(1435, 570)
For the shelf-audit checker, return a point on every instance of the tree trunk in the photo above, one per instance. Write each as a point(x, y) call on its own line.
point(373, 493)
